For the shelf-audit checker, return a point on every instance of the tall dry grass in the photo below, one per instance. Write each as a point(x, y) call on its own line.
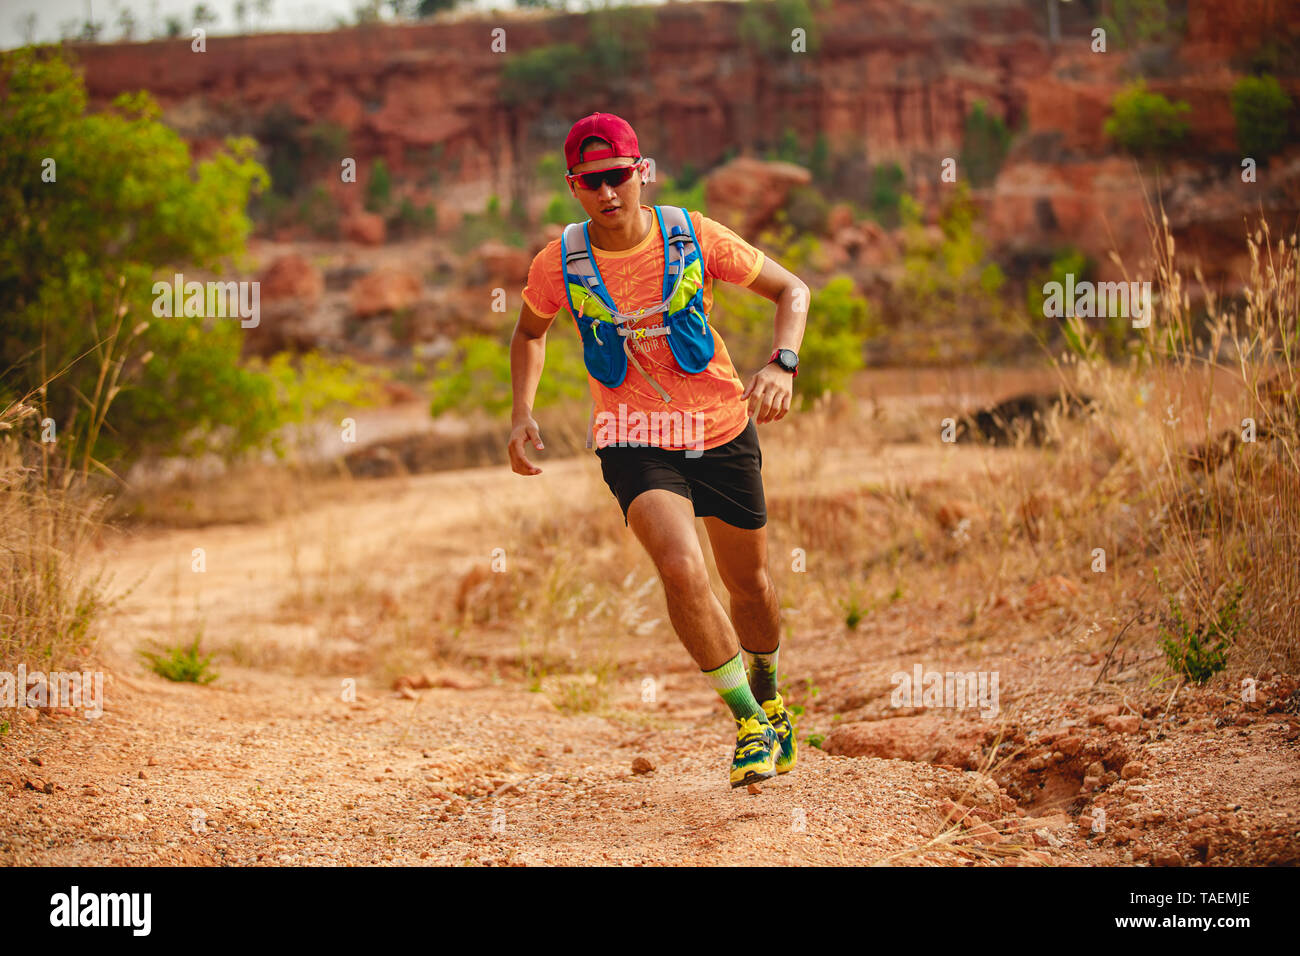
point(47, 528)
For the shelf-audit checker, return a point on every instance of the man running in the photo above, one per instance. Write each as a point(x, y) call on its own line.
point(637, 281)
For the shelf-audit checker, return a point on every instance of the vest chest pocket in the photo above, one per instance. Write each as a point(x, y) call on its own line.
point(602, 346)
point(692, 339)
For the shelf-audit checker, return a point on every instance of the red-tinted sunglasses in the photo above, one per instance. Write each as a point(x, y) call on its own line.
point(615, 176)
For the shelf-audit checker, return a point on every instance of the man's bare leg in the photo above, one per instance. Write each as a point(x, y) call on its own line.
point(664, 522)
point(741, 557)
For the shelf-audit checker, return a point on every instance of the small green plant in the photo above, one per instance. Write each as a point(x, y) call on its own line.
point(1200, 652)
point(815, 740)
point(4, 728)
point(1146, 123)
point(1260, 107)
point(182, 664)
point(853, 613)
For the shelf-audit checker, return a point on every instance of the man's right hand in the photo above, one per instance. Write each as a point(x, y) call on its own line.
point(525, 430)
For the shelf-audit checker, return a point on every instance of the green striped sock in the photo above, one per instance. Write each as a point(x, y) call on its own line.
point(730, 683)
point(762, 674)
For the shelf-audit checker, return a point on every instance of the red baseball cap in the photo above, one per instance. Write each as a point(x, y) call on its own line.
point(612, 129)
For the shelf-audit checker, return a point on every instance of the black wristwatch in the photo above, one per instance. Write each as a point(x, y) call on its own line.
point(787, 359)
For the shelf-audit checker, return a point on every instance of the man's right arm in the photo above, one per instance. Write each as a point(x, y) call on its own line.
point(527, 358)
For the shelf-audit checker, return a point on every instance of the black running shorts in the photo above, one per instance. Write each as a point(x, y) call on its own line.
point(724, 482)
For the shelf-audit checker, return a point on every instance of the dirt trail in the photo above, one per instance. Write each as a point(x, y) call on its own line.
point(270, 766)
point(276, 768)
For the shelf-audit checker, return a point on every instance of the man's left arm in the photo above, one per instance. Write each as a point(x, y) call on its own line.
point(770, 390)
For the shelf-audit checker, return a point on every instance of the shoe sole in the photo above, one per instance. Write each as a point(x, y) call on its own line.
point(753, 776)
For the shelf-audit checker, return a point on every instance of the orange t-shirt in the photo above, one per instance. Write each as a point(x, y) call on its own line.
point(634, 278)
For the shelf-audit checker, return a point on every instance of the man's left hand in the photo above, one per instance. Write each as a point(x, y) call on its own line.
point(769, 393)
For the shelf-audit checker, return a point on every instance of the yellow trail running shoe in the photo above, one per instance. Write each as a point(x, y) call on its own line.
point(780, 719)
point(757, 746)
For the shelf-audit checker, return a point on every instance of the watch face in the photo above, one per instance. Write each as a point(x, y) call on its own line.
point(788, 360)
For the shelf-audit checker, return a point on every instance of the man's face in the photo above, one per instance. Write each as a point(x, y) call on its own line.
point(609, 204)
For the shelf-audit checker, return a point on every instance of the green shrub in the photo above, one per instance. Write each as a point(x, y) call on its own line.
point(1133, 22)
point(886, 193)
point(1112, 337)
point(489, 224)
point(839, 326)
point(1198, 652)
point(1146, 123)
point(560, 210)
point(319, 213)
point(985, 140)
point(947, 304)
point(1262, 111)
point(671, 191)
point(412, 220)
point(182, 664)
point(618, 44)
point(807, 209)
point(476, 377)
point(379, 187)
point(765, 26)
point(788, 148)
point(542, 74)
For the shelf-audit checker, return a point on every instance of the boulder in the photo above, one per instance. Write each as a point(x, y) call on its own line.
point(503, 262)
point(384, 290)
point(366, 228)
point(290, 293)
point(745, 193)
point(291, 278)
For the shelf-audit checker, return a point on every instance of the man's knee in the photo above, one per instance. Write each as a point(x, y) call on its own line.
point(753, 584)
point(683, 572)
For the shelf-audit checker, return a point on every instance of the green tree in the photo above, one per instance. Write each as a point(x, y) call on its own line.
point(1262, 111)
point(1146, 123)
point(119, 205)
